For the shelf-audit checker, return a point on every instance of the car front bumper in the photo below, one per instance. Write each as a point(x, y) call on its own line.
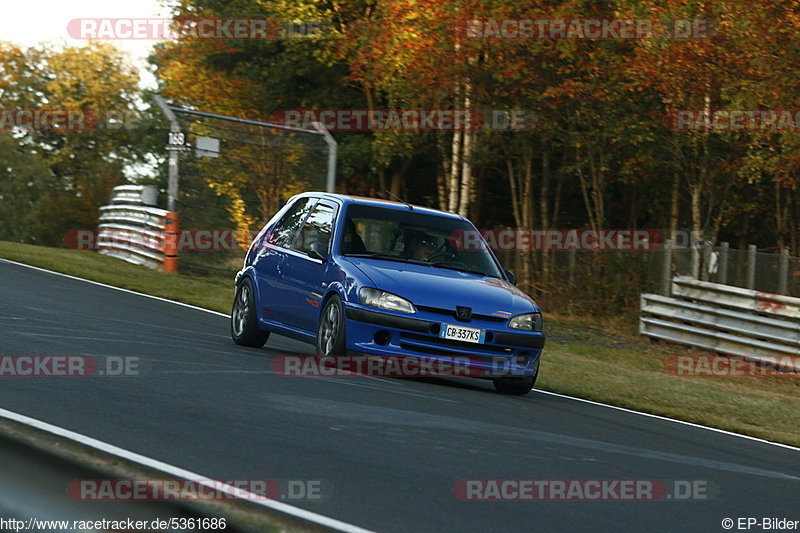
point(504, 353)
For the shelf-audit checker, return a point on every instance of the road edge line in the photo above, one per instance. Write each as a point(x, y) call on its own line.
point(154, 464)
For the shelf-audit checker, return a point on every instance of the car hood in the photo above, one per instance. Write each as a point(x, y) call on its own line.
point(443, 288)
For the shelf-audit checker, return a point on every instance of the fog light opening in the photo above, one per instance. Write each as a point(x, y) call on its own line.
point(435, 329)
point(382, 337)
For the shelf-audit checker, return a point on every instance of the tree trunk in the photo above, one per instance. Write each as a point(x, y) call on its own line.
point(544, 193)
point(466, 176)
point(674, 214)
point(442, 175)
point(697, 231)
point(466, 164)
point(453, 176)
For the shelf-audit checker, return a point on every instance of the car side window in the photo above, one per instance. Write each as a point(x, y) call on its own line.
point(285, 229)
point(317, 228)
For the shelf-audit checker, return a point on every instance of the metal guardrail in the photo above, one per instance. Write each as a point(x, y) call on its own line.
point(724, 319)
point(132, 231)
point(736, 297)
point(135, 194)
point(56, 456)
point(135, 215)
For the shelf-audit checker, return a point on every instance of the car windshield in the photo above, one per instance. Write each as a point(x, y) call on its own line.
point(412, 237)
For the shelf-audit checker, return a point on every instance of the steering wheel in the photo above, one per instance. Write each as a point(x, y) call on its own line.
point(444, 257)
point(450, 259)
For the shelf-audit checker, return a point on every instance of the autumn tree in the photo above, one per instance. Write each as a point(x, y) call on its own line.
point(87, 162)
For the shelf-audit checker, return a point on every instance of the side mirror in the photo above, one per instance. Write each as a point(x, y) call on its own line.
point(318, 250)
point(512, 279)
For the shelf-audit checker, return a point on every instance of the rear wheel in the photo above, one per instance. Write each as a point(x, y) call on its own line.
point(331, 331)
point(244, 322)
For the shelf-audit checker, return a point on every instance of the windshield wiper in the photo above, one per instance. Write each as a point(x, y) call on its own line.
point(448, 266)
point(376, 255)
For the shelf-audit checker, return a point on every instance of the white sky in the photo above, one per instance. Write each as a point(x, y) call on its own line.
point(30, 22)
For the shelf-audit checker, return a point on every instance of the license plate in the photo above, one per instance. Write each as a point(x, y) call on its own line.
point(460, 333)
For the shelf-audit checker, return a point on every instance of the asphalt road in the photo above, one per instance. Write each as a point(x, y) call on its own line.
point(387, 452)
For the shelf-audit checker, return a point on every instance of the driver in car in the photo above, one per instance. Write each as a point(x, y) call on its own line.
point(422, 247)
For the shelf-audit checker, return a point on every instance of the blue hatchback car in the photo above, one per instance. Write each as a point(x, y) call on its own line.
point(387, 279)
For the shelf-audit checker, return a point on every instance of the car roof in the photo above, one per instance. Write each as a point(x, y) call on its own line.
point(378, 202)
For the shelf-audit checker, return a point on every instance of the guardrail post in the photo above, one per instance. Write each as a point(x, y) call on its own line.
point(722, 276)
point(752, 257)
point(783, 272)
point(666, 268)
point(172, 229)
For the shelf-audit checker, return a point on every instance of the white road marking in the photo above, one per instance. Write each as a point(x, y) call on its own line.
point(175, 471)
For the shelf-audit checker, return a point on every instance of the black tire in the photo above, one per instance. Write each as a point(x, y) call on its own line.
point(244, 323)
point(516, 386)
point(331, 340)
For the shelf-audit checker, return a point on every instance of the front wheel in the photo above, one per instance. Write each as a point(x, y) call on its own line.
point(244, 322)
point(331, 330)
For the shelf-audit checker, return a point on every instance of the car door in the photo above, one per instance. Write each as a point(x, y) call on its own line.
point(303, 275)
point(271, 287)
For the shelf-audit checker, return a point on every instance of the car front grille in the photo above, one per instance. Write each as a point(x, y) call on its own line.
point(439, 346)
point(447, 353)
point(451, 313)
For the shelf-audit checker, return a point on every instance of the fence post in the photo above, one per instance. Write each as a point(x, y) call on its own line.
point(705, 275)
point(723, 264)
point(571, 266)
point(783, 272)
point(666, 268)
point(750, 282)
point(333, 149)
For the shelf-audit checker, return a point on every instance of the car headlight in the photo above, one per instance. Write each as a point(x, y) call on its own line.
point(384, 300)
point(528, 322)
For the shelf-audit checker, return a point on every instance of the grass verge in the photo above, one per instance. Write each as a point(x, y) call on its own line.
point(604, 361)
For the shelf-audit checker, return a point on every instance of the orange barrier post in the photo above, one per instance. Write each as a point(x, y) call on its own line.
point(172, 228)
